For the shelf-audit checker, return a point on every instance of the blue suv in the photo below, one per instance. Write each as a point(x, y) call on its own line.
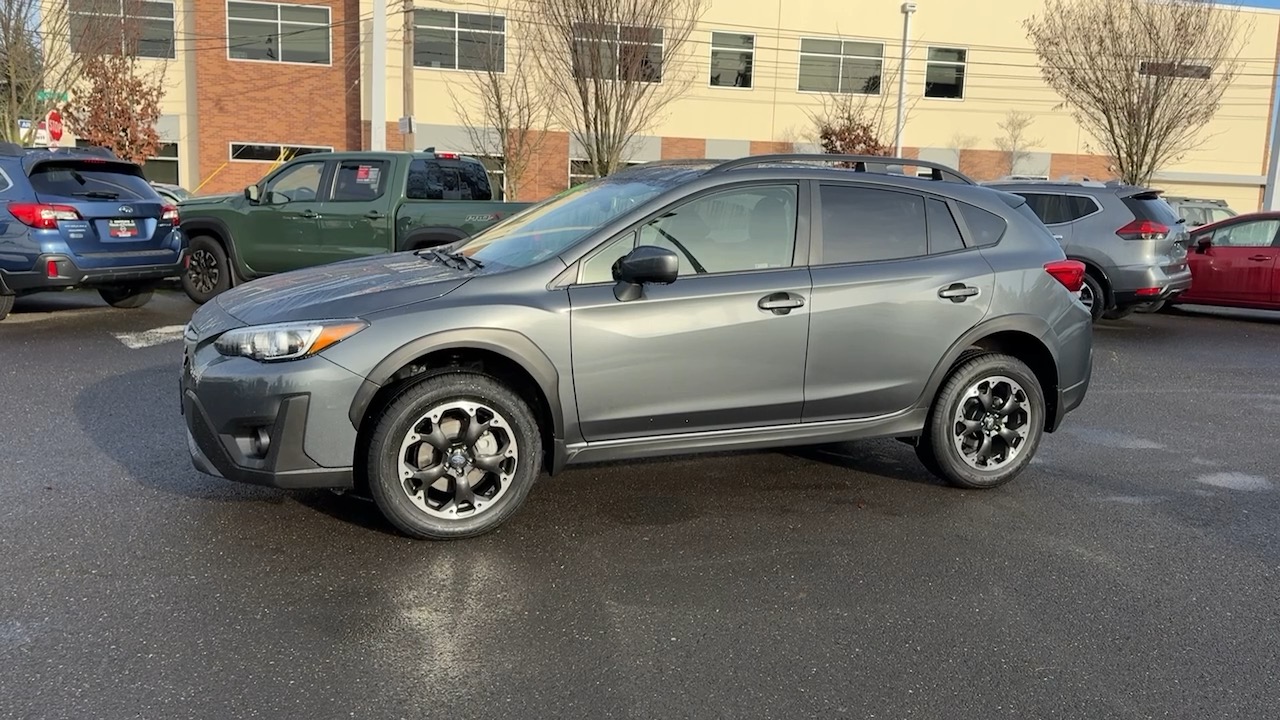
point(81, 217)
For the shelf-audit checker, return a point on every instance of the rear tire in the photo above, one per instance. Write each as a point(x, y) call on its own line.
point(1093, 296)
point(6, 304)
point(1120, 313)
point(984, 401)
point(208, 272)
point(126, 297)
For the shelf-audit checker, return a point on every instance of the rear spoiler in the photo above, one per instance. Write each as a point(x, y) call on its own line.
point(34, 160)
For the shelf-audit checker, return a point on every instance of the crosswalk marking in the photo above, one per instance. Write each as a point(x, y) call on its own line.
point(149, 338)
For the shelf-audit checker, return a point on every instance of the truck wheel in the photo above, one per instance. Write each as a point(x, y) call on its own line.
point(453, 457)
point(985, 424)
point(125, 296)
point(6, 304)
point(208, 272)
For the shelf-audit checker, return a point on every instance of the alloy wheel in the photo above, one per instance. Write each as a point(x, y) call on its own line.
point(1086, 296)
point(992, 423)
point(458, 459)
point(203, 271)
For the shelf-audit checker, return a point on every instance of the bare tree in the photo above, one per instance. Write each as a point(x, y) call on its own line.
point(1015, 143)
point(504, 108)
point(1143, 78)
point(610, 66)
point(42, 49)
point(861, 123)
point(962, 141)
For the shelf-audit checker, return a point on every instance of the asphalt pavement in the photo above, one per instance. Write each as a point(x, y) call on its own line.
point(1131, 572)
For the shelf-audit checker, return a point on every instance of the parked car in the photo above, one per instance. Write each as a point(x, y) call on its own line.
point(1131, 241)
point(673, 307)
point(82, 218)
point(1197, 212)
point(326, 207)
point(1236, 263)
point(173, 193)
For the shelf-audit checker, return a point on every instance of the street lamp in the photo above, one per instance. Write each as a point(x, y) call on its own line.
point(907, 9)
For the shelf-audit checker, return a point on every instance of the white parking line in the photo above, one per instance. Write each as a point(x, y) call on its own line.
point(148, 338)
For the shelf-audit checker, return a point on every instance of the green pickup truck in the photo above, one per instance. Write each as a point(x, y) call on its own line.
point(325, 207)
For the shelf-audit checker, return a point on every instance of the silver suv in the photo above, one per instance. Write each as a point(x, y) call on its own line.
point(1198, 212)
point(671, 308)
point(1133, 244)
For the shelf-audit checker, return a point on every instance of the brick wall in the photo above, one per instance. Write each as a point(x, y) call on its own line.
point(1076, 167)
point(984, 164)
point(770, 147)
point(272, 102)
point(676, 148)
point(395, 141)
point(548, 171)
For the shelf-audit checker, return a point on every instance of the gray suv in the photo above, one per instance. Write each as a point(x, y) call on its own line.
point(671, 308)
point(1132, 242)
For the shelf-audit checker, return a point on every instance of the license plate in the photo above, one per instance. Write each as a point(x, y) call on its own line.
point(122, 228)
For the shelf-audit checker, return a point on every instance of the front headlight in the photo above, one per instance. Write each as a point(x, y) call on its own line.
point(286, 341)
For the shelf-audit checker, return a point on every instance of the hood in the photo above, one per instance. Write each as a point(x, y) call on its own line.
point(196, 200)
point(345, 289)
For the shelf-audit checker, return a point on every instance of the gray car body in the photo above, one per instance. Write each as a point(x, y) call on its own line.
point(691, 366)
point(1123, 266)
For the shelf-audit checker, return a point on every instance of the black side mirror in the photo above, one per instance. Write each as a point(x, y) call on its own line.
point(646, 264)
point(251, 193)
point(1203, 243)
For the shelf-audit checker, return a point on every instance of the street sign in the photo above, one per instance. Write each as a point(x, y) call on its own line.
point(53, 126)
point(46, 95)
point(406, 125)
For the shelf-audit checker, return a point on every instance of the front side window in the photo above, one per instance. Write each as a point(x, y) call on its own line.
point(866, 225)
point(617, 52)
point(744, 229)
point(944, 73)
point(300, 183)
point(841, 66)
point(459, 41)
point(278, 33)
point(145, 27)
point(732, 55)
point(1260, 233)
point(359, 180)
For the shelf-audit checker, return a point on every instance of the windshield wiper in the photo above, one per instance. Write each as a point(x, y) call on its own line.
point(458, 261)
point(100, 194)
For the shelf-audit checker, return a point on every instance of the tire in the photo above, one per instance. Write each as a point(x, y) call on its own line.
point(1097, 301)
point(208, 272)
point(1151, 307)
point(6, 305)
point(1120, 313)
point(938, 450)
point(125, 296)
point(403, 431)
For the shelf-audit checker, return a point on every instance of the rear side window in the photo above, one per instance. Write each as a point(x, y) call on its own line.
point(447, 180)
point(1150, 206)
point(1054, 209)
point(985, 228)
point(359, 180)
point(944, 236)
point(5, 182)
point(864, 225)
point(88, 180)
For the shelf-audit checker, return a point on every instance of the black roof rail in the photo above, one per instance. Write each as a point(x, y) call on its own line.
point(860, 163)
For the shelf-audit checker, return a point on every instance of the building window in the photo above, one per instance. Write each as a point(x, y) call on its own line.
point(459, 41)
point(145, 26)
point(617, 52)
point(840, 66)
point(160, 168)
point(732, 55)
point(944, 74)
point(278, 33)
point(580, 170)
point(497, 175)
point(257, 152)
point(1175, 70)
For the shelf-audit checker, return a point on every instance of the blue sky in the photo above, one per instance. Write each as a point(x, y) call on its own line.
point(1261, 3)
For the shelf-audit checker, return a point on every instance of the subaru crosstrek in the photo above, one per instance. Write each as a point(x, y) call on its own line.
point(671, 308)
point(82, 218)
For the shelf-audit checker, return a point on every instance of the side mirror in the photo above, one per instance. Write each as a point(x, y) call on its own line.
point(1203, 243)
point(252, 194)
point(646, 264)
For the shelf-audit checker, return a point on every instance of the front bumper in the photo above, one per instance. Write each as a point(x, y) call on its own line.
point(279, 424)
point(69, 275)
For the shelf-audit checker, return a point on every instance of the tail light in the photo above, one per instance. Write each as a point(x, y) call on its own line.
point(447, 155)
point(1068, 272)
point(1144, 230)
point(170, 213)
point(41, 216)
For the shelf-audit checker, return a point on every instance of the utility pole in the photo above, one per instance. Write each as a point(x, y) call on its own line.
point(907, 9)
point(1270, 198)
point(407, 121)
point(378, 79)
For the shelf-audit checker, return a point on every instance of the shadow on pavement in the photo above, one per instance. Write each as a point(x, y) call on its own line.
point(51, 302)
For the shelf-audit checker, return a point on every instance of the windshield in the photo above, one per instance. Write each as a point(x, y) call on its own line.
point(553, 226)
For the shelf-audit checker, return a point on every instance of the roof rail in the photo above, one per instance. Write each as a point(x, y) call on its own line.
point(860, 163)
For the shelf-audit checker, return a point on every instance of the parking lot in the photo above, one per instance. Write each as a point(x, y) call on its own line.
point(1131, 572)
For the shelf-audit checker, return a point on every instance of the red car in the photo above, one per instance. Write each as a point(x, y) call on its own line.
point(1236, 262)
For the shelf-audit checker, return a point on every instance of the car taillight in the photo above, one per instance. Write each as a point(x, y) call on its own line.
point(170, 213)
point(41, 216)
point(447, 155)
point(1144, 230)
point(1068, 272)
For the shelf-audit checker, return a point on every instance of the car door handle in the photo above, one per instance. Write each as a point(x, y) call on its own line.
point(310, 214)
point(1259, 258)
point(374, 215)
point(1057, 237)
point(957, 292)
point(780, 303)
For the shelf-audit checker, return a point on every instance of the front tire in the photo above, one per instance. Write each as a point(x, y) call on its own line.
point(126, 297)
point(6, 305)
point(985, 424)
point(208, 272)
point(454, 456)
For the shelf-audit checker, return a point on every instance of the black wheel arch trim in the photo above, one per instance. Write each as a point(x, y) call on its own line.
point(1026, 324)
point(221, 231)
point(415, 235)
point(510, 344)
point(1107, 286)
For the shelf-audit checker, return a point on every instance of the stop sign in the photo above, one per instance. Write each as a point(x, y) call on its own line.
point(53, 125)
